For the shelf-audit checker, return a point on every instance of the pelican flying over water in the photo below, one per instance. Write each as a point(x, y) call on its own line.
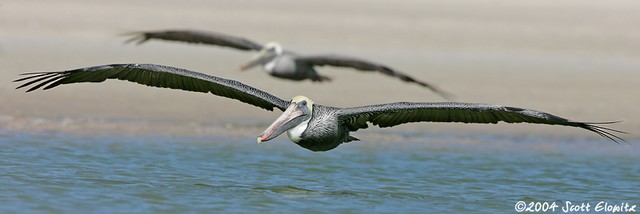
point(277, 61)
point(313, 126)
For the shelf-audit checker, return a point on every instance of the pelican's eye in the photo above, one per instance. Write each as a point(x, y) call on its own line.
point(303, 103)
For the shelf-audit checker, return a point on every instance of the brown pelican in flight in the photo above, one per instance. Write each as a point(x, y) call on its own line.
point(313, 126)
point(277, 61)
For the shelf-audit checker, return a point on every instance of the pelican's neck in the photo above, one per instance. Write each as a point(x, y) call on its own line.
point(295, 134)
point(269, 66)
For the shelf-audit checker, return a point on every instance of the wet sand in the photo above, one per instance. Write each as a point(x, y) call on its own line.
point(576, 59)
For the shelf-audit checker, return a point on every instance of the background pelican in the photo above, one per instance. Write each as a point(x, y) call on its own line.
point(312, 126)
point(277, 61)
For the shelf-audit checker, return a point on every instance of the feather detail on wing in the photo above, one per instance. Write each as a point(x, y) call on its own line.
point(362, 65)
point(196, 37)
point(156, 76)
point(387, 115)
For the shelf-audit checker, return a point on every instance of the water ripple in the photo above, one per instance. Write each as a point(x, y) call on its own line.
point(49, 172)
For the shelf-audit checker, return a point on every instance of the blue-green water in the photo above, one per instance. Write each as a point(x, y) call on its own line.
point(49, 172)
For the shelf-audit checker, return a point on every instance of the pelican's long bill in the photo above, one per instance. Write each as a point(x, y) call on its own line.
point(295, 114)
point(263, 57)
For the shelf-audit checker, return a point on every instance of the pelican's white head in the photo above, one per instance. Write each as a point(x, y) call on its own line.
point(300, 98)
point(265, 56)
point(273, 47)
point(294, 120)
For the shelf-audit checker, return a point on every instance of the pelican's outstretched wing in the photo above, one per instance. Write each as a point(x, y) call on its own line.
point(157, 76)
point(386, 115)
point(341, 61)
point(198, 37)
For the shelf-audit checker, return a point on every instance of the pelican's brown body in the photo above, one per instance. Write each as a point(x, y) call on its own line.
point(325, 130)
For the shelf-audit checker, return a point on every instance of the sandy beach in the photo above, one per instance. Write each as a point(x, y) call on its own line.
point(576, 59)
